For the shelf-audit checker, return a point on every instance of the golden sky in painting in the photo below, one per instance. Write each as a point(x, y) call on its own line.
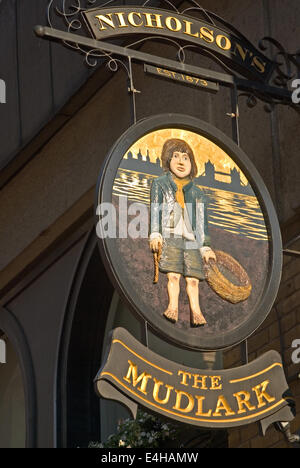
point(204, 150)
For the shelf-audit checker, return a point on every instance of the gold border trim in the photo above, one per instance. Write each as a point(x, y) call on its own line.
point(189, 417)
point(140, 357)
point(258, 373)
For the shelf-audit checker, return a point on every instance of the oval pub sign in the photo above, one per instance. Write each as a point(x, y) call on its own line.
point(188, 232)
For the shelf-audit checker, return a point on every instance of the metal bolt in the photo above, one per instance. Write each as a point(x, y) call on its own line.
point(133, 90)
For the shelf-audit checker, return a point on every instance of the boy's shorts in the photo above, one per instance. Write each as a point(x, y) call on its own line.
point(179, 256)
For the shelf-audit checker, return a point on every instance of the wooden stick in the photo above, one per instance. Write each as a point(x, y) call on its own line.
point(156, 257)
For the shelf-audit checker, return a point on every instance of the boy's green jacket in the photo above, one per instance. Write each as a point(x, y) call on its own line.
point(163, 207)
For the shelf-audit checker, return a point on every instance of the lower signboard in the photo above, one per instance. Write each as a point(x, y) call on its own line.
point(134, 375)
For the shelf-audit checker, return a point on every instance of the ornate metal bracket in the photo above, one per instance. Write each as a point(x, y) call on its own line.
point(67, 23)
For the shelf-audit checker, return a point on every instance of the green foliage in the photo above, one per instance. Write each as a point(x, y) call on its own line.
point(145, 431)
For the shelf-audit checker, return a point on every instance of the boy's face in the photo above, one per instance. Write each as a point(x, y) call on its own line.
point(180, 164)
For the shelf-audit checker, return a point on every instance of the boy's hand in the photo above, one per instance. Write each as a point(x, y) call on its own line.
point(209, 255)
point(155, 244)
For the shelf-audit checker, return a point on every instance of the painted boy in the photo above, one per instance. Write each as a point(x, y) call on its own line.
point(179, 226)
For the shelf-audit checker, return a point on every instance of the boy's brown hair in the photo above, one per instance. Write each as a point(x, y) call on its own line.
point(175, 144)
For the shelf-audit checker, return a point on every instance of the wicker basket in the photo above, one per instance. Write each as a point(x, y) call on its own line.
point(227, 290)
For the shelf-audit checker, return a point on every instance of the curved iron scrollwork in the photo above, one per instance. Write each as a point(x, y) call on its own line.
point(287, 66)
point(68, 14)
point(69, 11)
point(253, 97)
point(286, 69)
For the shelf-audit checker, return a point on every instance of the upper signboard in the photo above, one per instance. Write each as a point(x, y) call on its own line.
point(105, 23)
point(188, 232)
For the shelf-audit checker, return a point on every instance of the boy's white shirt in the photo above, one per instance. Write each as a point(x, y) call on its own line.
point(183, 227)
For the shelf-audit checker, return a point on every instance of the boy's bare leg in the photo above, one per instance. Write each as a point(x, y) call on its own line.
point(192, 289)
point(173, 292)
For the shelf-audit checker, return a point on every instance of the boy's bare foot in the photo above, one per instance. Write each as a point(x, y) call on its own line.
point(171, 314)
point(197, 319)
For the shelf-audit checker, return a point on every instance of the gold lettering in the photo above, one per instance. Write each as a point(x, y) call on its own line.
point(185, 375)
point(220, 42)
point(243, 53)
point(188, 29)
point(200, 407)
point(169, 20)
point(168, 73)
point(206, 34)
point(215, 382)
point(190, 402)
point(153, 17)
point(102, 19)
point(200, 379)
point(242, 399)
point(144, 377)
point(121, 19)
point(261, 394)
point(222, 405)
point(132, 21)
point(156, 388)
point(260, 66)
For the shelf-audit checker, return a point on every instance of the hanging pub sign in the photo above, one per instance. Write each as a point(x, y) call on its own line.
point(187, 229)
point(188, 232)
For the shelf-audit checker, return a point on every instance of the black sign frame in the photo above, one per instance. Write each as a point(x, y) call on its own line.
point(110, 258)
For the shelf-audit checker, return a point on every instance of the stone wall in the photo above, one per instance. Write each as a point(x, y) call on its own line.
point(279, 330)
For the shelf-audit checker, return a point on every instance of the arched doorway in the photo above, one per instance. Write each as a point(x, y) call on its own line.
point(12, 398)
point(80, 350)
point(93, 310)
point(17, 386)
